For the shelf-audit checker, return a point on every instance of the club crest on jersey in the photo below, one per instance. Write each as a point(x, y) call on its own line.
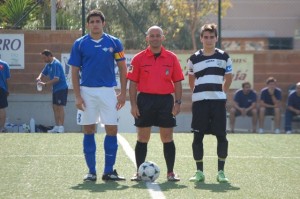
point(219, 63)
point(110, 49)
point(105, 49)
point(1, 67)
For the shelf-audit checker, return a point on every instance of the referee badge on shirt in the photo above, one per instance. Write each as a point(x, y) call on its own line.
point(167, 72)
point(130, 68)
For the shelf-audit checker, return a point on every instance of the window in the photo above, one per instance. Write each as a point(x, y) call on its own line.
point(284, 43)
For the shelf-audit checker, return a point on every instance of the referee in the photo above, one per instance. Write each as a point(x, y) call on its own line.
point(155, 74)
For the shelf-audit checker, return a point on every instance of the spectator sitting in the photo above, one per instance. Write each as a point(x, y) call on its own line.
point(244, 104)
point(270, 102)
point(293, 108)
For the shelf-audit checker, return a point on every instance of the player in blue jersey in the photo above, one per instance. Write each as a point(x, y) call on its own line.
point(244, 104)
point(4, 76)
point(210, 76)
point(56, 78)
point(93, 56)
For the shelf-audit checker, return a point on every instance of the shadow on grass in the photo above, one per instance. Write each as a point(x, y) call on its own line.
point(163, 186)
point(94, 187)
point(166, 186)
point(218, 187)
point(140, 185)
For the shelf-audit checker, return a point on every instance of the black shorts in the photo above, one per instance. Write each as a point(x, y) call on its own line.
point(3, 98)
point(60, 97)
point(155, 110)
point(209, 117)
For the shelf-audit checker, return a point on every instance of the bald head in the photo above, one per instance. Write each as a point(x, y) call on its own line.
point(155, 28)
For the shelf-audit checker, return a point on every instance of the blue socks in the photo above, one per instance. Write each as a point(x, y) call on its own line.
point(89, 150)
point(110, 149)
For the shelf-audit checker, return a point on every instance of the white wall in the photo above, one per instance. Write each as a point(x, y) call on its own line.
point(22, 107)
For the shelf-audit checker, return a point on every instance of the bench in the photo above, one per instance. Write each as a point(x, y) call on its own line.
point(296, 123)
point(296, 119)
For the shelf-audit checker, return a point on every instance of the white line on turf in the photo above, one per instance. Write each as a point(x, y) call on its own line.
point(153, 188)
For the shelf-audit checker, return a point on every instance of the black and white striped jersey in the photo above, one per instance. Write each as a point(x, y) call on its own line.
point(209, 74)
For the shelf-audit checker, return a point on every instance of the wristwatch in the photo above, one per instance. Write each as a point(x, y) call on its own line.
point(178, 101)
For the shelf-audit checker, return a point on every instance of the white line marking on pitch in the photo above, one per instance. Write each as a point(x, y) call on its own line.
point(153, 188)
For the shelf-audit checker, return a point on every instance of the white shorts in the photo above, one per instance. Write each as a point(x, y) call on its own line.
point(100, 106)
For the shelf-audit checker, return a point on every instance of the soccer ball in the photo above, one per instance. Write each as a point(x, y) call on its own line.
point(149, 171)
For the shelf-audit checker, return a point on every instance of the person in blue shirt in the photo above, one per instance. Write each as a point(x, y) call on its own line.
point(93, 59)
point(270, 104)
point(244, 104)
point(4, 76)
point(292, 109)
point(56, 78)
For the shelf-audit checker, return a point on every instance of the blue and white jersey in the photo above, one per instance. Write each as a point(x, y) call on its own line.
point(4, 75)
point(209, 74)
point(96, 60)
point(55, 70)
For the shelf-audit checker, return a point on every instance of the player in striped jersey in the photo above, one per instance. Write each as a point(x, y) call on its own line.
point(210, 76)
point(93, 55)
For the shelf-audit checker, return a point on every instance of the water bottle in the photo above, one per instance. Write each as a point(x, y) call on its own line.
point(39, 87)
point(32, 125)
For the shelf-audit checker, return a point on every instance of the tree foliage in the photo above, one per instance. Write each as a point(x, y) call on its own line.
point(126, 19)
point(11, 11)
point(187, 16)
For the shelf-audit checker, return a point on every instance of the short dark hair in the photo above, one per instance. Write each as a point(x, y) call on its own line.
point(47, 53)
point(95, 13)
point(246, 83)
point(211, 27)
point(270, 79)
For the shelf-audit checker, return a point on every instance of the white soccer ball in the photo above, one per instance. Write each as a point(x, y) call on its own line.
point(149, 171)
